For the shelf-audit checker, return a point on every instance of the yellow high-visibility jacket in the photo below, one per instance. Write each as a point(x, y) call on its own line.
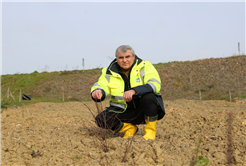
point(144, 78)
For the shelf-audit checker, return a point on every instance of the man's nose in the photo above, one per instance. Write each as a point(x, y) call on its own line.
point(124, 59)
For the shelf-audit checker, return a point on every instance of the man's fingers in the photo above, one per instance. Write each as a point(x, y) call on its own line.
point(127, 97)
point(97, 94)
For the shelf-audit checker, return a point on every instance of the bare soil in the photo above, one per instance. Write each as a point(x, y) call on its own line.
point(65, 134)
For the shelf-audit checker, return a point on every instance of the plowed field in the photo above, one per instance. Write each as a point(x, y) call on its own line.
point(65, 134)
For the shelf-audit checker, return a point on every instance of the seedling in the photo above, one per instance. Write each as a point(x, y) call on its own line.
point(199, 160)
point(35, 154)
point(77, 157)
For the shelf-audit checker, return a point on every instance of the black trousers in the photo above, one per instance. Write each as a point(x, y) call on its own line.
point(146, 107)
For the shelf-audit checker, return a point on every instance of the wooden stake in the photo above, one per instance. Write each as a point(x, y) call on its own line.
point(200, 94)
point(11, 95)
point(8, 94)
point(230, 95)
point(238, 48)
point(20, 96)
point(83, 64)
point(62, 94)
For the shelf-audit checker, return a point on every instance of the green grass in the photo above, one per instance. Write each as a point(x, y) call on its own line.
point(3, 106)
point(77, 157)
point(198, 159)
point(243, 96)
point(22, 81)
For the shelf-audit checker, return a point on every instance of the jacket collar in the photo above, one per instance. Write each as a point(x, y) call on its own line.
point(115, 67)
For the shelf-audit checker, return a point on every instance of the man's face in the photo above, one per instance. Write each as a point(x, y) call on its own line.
point(125, 60)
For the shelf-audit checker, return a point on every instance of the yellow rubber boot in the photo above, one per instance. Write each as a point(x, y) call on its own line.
point(129, 130)
point(150, 130)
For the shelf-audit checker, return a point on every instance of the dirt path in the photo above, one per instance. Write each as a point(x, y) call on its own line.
point(64, 134)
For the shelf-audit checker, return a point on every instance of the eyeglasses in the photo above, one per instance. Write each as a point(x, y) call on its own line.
point(122, 57)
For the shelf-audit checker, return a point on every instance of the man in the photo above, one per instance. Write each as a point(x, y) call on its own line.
point(134, 86)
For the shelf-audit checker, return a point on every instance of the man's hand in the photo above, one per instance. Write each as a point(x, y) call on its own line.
point(128, 95)
point(97, 94)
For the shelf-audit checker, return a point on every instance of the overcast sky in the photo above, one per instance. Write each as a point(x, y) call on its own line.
point(55, 36)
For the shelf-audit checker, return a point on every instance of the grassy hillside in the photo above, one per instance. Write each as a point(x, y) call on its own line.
point(210, 79)
point(214, 78)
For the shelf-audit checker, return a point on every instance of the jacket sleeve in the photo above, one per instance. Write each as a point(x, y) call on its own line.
point(152, 81)
point(102, 84)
